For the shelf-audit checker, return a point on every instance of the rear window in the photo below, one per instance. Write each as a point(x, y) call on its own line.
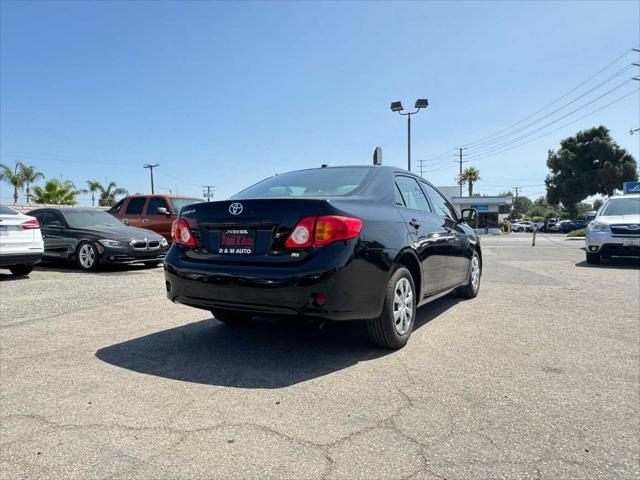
point(180, 203)
point(7, 211)
point(621, 206)
point(135, 206)
point(321, 182)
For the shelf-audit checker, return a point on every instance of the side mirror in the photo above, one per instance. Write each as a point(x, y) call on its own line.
point(163, 211)
point(470, 216)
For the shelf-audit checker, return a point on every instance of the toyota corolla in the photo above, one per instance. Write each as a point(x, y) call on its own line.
point(341, 243)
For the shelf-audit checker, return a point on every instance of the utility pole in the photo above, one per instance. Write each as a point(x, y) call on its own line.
point(515, 204)
point(151, 166)
point(460, 176)
point(421, 164)
point(210, 190)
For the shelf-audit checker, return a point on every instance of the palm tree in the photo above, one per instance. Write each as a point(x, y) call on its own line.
point(108, 194)
point(29, 176)
point(13, 177)
point(470, 175)
point(94, 186)
point(56, 192)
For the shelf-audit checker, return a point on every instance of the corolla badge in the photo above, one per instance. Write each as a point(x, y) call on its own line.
point(235, 208)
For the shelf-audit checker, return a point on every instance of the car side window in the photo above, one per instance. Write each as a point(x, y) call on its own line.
point(412, 193)
point(440, 204)
point(52, 219)
point(135, 206)
point(154, 204)
point(116, 208)
point(398, 196)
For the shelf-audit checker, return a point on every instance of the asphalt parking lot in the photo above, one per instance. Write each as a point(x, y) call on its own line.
point(538, 377)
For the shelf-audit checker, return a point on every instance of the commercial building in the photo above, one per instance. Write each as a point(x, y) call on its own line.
point(492, 210)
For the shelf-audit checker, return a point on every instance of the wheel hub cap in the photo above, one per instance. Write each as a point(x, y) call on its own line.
point(87, 256)
point(402, 306)
point(475, 273)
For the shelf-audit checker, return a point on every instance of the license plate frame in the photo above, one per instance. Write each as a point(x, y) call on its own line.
point(237, 242)
point(631, 242)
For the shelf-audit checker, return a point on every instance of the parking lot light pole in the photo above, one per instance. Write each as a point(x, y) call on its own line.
point(397, 107)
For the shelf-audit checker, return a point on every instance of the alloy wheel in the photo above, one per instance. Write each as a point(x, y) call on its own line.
point(87, 256)
point(475, 272)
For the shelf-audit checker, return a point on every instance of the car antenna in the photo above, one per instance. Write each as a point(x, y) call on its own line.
point(377, 156)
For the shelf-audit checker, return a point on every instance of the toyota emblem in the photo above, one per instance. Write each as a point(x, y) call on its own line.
point(235, 208)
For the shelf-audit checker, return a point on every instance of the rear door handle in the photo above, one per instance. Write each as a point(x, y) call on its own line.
point(146, 220)
point(125, 221)
point(414, 223)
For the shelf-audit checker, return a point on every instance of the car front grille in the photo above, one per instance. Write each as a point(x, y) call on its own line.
point(145, 244)
point(626, 230)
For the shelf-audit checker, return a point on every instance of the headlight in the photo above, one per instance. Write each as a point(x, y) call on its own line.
point(598, 227)
point(164, 242)
point(112, 243)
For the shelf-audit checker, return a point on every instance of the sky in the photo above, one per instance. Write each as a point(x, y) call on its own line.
point(227, 94)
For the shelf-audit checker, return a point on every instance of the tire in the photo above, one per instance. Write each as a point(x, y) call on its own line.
point(232, 318)
point(87, 257)
point(393, 327)
point(21, 270)
point(471, 289)
point(593, 258)
point(520, 230)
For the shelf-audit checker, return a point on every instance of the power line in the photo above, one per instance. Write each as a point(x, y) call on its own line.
point(471, 144)
point(494, 153)
point(209, 192)
point(487, 144)
point(151, 166)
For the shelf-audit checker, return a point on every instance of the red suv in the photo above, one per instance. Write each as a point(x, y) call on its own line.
point(153, 212)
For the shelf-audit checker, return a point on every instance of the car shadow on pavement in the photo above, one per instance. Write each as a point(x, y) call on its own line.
point(266, 353)
point(9, 277)
point(70, 267)
point(625, 263)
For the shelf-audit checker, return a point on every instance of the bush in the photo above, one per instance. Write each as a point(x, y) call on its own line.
point(577, 233)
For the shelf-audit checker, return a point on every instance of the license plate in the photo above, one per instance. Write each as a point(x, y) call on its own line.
point(631, 242)
point(236, 242)
point(4, 231)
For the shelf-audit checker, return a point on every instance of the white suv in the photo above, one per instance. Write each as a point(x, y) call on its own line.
point(21, 244)
point(615, 231)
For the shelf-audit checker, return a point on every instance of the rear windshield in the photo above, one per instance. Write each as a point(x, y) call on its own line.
point(322, 182)
point(91, 218)
point(7, 211)
point(180, 203)
point(621, 206)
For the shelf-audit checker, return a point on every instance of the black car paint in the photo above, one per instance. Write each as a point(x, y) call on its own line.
point(353, 274)
point(61, 242)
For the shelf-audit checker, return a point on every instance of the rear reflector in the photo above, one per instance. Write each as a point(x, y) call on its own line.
point(181, 233)
point(29, 225)
point(320, 231)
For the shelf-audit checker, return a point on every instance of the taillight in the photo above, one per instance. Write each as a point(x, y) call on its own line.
point(320, 231)
point(181, 233)
point(302, 235)
point(29, 225)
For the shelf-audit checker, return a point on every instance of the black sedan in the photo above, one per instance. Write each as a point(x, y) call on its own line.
point(341, 243)
point(91, 237)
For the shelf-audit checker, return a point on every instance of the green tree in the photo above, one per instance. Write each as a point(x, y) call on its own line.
point(109, 193)
point(519, 207)
point(56, 192)
point(13, 177)
point(29, 175)
point(597, 203)
point(587, 164)
point(93, 186)
point(470, 176)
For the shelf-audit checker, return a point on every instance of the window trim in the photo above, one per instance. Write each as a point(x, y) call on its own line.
point(447, 202)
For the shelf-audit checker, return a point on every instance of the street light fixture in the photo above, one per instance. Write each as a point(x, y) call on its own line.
point(397, 107)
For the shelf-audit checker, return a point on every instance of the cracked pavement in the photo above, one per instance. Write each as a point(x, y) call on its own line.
point(537, 378)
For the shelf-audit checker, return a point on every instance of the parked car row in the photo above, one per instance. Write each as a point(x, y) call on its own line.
point(551, 225)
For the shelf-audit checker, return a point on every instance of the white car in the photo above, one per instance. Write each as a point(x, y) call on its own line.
point(521, 226)
point(21, 244)
point(615, 231)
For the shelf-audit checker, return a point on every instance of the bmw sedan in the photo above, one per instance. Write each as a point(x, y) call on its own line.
point(341, 243)
point(92, 237)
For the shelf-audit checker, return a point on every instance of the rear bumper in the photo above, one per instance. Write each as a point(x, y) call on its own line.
point(20, 259)
point(353, 287)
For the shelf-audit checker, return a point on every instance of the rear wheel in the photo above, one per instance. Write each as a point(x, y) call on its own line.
point(471, 289)
point(232, 318)
point(593, 258)
point(393, 327)
point(20, 270)
point(87, 256)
